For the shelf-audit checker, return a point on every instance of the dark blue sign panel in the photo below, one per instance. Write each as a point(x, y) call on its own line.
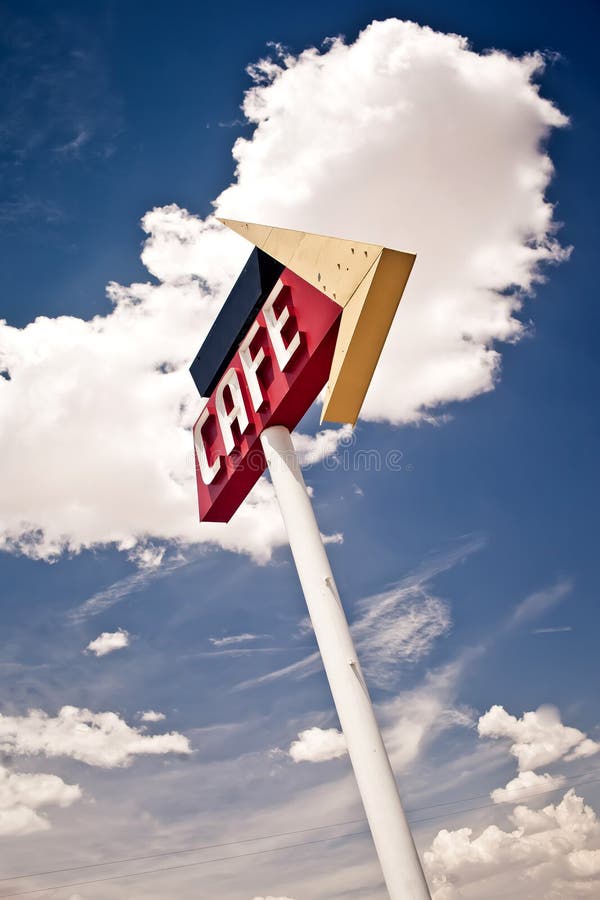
point(256, 281)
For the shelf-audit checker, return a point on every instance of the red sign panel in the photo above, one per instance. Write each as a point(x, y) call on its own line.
point(279, 369)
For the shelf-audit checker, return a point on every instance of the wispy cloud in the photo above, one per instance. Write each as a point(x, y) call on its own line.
point(238, 651)
point(236, 639)
point(443, 559)
point(73, 147)
point(301, 669)
point(234, 123)
point(398, 625)
point(55, 90)
point(24, 209)
point(559, 629)
point(540, 602)
point(123, 588)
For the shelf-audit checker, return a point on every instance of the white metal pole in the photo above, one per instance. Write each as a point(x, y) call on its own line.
point(393, 840)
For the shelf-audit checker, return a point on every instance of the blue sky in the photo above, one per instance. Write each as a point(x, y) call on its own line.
point(468, 569)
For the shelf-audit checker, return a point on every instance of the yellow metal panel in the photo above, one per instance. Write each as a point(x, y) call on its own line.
point(367, 280)
point(365, 324)
point(332, 265)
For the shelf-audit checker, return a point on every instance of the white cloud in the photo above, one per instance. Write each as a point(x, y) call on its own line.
point(147, 557)
point(400, 624)
point(108, 642)
point(409, 721)
point(152, 716)
point(235, 639)
point(583, 749)
point(539, 736)
point(318, 745)
point(550, 852)
point(22, 795)
point(406, 137)
point(313, 449)
point(543, 849)
point(136, 444)
point(526, 785)
point(540, 602)
point(585, 863)
point(415, 718)
point(367, 163)
point(119, 590)
point(556, 630)
point(98, 739)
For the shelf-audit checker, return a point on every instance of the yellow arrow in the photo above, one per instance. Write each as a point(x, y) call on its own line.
point(367, 280)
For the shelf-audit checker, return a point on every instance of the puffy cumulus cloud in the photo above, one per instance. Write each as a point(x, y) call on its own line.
point(410, 138)
point(111, 402)
point(108, 642)
point(152, 716)
point(22, 795)
point(539, 737)
point(526, 783)
point(546, 855)
point(550, 852)
point(585, 863)
point(98, 739)
point(406, 137)
point(318, 745)
point(182, 248)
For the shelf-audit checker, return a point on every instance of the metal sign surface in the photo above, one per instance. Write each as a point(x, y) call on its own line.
point(308, 312)
point(273, 378)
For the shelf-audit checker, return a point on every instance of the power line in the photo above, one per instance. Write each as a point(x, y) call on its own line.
point(203, 862)
point(126, 859)
point(523, 795)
